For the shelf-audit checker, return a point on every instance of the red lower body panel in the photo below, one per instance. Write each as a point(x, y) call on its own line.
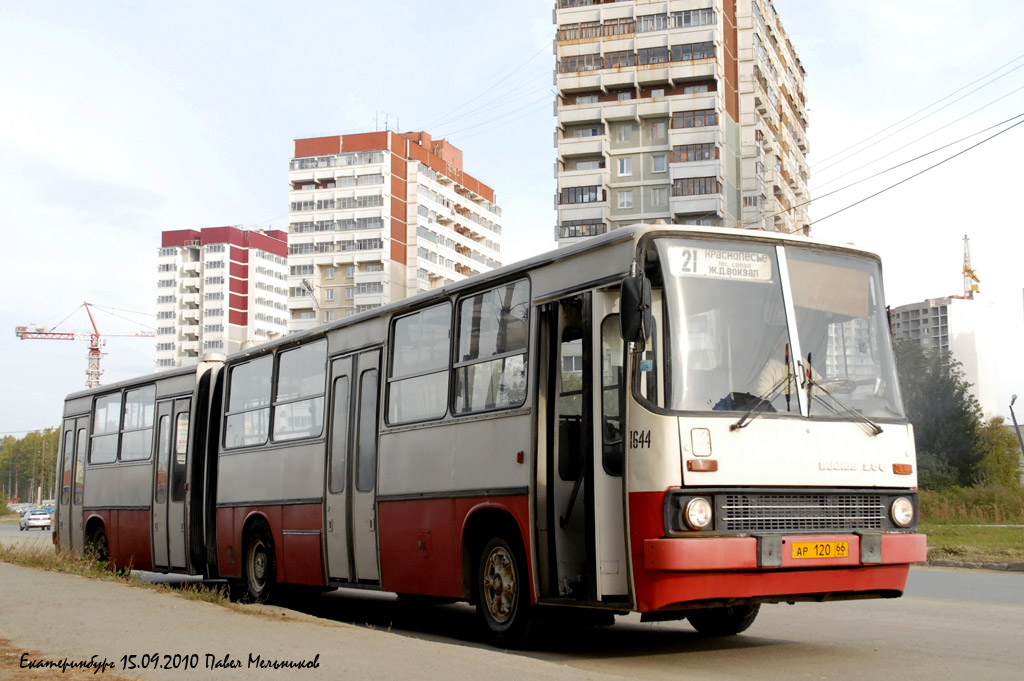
point(297, 533)
point(421, 540)
point(128, 536)
point(671, 571)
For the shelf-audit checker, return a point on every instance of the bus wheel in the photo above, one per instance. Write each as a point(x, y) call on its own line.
point(502, 598)
point(260, 567)
point(724, 621)
point(98, 546)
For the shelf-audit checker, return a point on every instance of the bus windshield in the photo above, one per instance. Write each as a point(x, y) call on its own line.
point(727, 335)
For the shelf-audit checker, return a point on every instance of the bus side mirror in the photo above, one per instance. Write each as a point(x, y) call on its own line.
point(635, 316)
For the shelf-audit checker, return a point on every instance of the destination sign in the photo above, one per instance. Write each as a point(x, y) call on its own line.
point(720, 263)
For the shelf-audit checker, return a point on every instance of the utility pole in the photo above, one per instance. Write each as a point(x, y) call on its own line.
point(1020, 440)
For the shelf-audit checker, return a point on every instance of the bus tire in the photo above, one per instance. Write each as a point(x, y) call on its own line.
point(98, 546)
point(502, 593)
point(724, 621)
point(259, 570)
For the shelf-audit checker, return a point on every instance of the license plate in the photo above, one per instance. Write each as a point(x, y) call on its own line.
point(820, 549)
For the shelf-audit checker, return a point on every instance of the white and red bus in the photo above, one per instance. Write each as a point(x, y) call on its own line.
point(681, 422)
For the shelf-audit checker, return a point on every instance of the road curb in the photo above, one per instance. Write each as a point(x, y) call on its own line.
point(971, 565)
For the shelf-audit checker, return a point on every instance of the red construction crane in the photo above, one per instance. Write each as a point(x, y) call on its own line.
point(96, 342)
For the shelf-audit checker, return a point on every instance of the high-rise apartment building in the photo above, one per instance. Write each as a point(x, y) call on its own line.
point(376, 217)
point(218, 288)
point(968, 329)
point(682, 111)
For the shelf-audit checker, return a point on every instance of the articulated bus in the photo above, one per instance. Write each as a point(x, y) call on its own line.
point(682, 422)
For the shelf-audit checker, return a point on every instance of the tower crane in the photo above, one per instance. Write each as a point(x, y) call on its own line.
point(95, 339)
point(971, 280)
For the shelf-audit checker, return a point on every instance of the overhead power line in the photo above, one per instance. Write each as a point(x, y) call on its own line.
point(545, 46)
point(950, 158)
point(922, 110)
point(929, 134)
point(891, 168)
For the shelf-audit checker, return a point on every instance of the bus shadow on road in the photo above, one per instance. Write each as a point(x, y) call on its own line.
point(457, 623)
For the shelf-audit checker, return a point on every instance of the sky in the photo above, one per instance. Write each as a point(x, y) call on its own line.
point(124, 119)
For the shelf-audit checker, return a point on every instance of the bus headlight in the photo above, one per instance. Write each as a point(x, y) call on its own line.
point(902, 512)
point(698, 513)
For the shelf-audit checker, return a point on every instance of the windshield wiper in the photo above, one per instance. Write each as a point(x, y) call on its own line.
point(757, 408)
point(872, 427)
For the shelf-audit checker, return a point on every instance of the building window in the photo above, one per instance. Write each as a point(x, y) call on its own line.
point(686, 153)
point(659, 196)
point(694, 119)
point(577, 228)
point(658, 92)
point(328, 273)
point(583, 132)
point(652, 55)
point(624, 96)
point(626, 198)
point(658, 163)
point(625, 166)
point(374, 267)
point(693, 51)
point(658, 132)
point(696, 186)
point(623, 132)
point(329, 294)
point(350, 271)
point(591, 194)
point(586, 99)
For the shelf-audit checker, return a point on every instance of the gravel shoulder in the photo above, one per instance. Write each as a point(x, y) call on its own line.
point(57, 616)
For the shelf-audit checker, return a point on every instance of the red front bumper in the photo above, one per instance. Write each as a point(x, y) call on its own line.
point(680, 570)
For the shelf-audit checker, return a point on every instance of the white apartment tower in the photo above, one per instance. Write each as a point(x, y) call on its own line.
point(682, 111)
point(218, 288)
point(377, 217)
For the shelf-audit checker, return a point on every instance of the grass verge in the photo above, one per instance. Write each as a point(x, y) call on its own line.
point(974, 543)
point(62, 560)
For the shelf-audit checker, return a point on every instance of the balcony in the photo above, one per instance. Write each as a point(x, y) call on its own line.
point(699, 69)
point(617, 78)
point(710, 204)
point(578, 81)
point(579, 113)
point(581, 146)
point(653, 109)
point(191, 283)
point(620, 112)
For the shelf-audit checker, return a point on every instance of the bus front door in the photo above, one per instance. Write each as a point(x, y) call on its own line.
point(75, 440)
point(570, 479)
point(351, 480)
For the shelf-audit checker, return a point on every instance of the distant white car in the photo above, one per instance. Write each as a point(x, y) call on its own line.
point(37, 517)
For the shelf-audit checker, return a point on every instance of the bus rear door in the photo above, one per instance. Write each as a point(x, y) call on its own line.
point(169, 484)
point(72, 479)
point(351, 480)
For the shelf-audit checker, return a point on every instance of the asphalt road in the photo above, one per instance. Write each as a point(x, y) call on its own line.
point(950, 624)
